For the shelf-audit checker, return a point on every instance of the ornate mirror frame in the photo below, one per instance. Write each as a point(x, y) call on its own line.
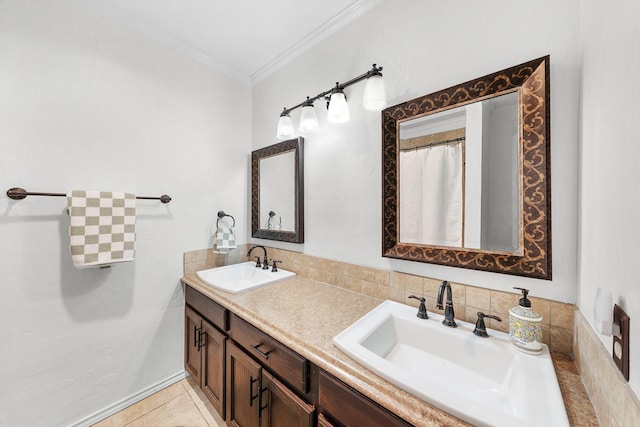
point(297, 146)
point(531, 80)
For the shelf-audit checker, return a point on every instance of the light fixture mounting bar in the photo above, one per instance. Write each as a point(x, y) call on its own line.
point(375, 70)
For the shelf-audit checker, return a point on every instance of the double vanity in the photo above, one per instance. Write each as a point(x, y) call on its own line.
point(271, 348)
point(303, 350)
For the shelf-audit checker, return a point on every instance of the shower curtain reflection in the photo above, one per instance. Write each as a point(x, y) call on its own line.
point(431, 195)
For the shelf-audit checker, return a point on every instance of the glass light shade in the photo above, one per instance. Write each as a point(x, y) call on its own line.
point(286, 129)
point(308, 120)
point(375, 95)
point(338, 108)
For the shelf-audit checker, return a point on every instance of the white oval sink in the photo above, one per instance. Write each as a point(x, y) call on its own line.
point(484, 381)
point(241, 277)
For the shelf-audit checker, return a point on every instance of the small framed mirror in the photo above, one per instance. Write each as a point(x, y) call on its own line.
point(466, 175)
point(277, 192)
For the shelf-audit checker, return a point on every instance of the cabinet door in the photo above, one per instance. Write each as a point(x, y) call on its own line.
point(323, 422)
point(213, 359)
point(280, 407)
point(192, 353)
point(243, 388)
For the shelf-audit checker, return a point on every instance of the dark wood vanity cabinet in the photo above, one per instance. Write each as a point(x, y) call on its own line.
point(192, 355)
point(212, 380)
point(323, 422)
point(280, 359)
point(254, 380)
point(243, 388)
point(204, 350)
point(248, 376)
point(282, 407)
point(255, 398)
point(263, 376)
point(343, 406)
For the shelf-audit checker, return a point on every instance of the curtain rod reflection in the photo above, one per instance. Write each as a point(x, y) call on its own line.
point(434, 144)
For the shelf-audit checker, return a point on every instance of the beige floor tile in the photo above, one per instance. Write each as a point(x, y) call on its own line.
point(182, 404)
point(180, 411)
point(205, 407)
point(144, 406)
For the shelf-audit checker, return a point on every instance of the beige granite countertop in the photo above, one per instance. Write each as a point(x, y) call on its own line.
point(305, 315)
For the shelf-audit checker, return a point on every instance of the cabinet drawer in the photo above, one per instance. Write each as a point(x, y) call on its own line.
point(282, 361)
point(212, 311)
point(351, 408)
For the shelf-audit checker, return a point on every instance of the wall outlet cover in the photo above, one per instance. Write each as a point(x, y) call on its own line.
point(621, 341)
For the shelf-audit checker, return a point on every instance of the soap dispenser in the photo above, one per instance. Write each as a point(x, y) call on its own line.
point(525, 326)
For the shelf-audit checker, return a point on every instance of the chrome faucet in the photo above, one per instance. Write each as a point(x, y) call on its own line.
point(265, 265)
point(449, 315)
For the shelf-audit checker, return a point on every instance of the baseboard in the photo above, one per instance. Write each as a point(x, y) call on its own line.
point(128, 401)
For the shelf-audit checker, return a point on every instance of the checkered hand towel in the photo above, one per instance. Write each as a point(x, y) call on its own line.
point(102, 227)
point(225, 238)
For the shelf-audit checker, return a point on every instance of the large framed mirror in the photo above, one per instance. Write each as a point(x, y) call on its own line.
point(277, 192)
point(466, 175)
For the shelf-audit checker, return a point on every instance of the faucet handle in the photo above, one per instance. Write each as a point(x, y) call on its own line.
point(274, 268)
point(258, 264)
point(480, 329)
point(422, 310)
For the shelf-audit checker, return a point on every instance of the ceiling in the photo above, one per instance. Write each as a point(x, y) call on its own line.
point(246, 39)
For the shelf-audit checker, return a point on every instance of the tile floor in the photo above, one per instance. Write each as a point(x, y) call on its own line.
point(179, 405)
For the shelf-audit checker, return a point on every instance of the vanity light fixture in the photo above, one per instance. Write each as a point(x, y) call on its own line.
point(338, 108)
point(375, 95)
point(285, 126)
point(374, 99)
point(308, 118)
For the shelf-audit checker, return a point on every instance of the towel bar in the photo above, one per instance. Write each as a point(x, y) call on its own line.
point(20, 193)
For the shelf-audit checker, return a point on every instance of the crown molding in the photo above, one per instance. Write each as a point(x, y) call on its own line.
point(348, 15)
point(330, 27)
point(173, 43)
point(197, 55)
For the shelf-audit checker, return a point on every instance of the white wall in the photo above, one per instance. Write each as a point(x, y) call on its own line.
point(78, 88)
point(609, 153)
point(424, 46)
point(87, 103)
